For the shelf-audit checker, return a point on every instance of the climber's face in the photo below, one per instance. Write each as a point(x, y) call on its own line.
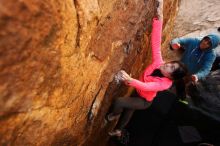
point(167, 69)
point(205, 43)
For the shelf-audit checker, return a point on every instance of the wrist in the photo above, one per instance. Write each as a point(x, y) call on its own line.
point(130, 80)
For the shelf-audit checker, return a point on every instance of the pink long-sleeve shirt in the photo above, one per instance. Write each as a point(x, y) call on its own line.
point(148, 86)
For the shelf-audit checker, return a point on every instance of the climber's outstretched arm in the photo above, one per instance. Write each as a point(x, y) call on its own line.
point(156, 34)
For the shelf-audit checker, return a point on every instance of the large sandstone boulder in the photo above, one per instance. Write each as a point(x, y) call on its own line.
point(58, 60)
point(197, 18)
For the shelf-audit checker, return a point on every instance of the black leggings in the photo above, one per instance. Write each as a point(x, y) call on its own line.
point(127, 106)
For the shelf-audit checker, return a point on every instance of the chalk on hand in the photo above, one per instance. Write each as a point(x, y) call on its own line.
point(118, 78)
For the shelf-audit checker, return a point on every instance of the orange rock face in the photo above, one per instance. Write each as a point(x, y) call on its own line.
point(58, 60)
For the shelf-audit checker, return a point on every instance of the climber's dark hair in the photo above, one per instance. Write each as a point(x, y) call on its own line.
point(157, 73)
point(179, 76)
point(180, 72)
point(180, 88)
point(218, 29)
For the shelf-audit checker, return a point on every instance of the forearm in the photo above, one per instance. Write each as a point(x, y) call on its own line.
point(182, 43)
point(202, 73)
point(156, 41)
point(150, 86)
point(156, 34)
point(206, 67)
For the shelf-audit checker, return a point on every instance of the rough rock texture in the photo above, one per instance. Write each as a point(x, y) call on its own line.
point(197, 18)
point(58, 59)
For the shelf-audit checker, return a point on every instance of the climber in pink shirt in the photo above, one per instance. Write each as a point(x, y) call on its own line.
point(158, 76)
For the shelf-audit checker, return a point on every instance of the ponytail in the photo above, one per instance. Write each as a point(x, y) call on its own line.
point(182, 86)
point(180, 89)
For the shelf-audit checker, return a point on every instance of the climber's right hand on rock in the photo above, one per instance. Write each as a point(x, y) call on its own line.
point(119, 77)
point(126, 77)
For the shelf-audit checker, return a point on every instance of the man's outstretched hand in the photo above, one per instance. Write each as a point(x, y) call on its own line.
point(194, 78)
point(175, 46)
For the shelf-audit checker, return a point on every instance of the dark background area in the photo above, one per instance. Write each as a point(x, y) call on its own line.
point(159, 125)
